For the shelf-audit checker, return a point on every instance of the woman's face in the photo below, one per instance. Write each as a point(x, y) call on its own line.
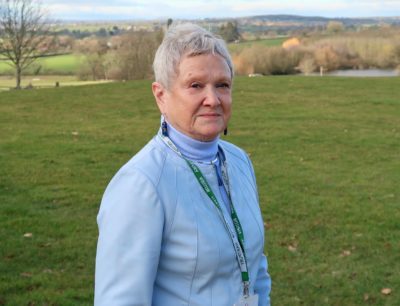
point(198, 103)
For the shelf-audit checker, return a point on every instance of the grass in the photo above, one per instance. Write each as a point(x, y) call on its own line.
point(269, 42)
point(67, 64)
point(326, 153)
point(44, 81)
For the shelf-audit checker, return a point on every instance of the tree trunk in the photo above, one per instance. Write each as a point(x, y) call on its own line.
point(18, 77)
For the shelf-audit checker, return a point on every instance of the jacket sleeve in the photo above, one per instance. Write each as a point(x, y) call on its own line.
point(263, 283)
point(130, 224)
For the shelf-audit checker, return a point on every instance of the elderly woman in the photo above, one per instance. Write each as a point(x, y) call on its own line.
point(180, 223)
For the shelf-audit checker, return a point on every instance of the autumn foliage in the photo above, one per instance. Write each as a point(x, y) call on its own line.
point(353, 50)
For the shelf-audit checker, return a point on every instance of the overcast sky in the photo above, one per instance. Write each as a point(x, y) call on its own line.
point(194, 9)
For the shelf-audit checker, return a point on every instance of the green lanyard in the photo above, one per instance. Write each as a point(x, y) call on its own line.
point(237, 236)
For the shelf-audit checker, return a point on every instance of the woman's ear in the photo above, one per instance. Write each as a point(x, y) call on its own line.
point(159, 93)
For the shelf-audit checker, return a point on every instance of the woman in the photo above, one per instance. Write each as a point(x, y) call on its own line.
point(180, 223)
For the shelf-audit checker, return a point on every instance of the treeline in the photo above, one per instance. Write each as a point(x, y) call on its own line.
point(100, 32)
point(124, 57)
point(377, 48)
point(128, 55)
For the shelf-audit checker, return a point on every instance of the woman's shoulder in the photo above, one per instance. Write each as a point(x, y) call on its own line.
point(148, 161)
point(233, 151)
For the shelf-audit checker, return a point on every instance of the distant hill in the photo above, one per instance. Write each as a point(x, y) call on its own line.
point(283, 23)
point(309, 20)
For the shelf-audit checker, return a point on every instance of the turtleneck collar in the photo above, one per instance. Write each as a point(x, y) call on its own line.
point(193, 149)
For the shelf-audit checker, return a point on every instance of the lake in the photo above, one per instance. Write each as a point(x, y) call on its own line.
point(363, 73)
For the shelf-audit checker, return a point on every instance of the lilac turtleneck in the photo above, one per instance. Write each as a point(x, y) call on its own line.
point(203, 151)
point(200, 151)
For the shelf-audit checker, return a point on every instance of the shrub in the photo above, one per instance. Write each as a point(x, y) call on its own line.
point(267, 60)
point(334, 27)
point(380, 49)
point(307, 64)
point(241, 65)
point(125, 57)
point(325, 56)
point(133, 57)
point(92, 68)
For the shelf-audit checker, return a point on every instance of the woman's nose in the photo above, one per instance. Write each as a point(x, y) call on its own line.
point(212, 98)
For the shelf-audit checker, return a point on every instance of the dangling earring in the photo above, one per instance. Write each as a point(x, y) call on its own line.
point(226, 131)
point(164, 128)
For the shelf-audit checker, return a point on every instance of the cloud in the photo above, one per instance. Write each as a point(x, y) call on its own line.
point(184, 9)
point(281, 6)
point(338, 8)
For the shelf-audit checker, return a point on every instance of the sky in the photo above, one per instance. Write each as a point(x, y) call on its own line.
point(199, 9)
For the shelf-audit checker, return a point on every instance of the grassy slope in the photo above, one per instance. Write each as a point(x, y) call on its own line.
point(270, 42)
point(326, 153)
point(43, 81)
point(61, 64)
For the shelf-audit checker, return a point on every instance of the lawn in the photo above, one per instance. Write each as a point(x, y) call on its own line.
point(270, 42)
point(44, 81)
point(326, 153)
point(67, 64)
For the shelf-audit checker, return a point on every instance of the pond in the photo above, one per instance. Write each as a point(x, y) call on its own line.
point(363, 73)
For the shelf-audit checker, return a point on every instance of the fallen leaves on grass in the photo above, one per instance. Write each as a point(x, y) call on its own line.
point(26, 274)
point(293, 247)
point(48, 271)
point(267, 225)
point(388, 246)
point(386, 291)
point(370, 299)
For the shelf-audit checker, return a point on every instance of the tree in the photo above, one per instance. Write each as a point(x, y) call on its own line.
point(24, 33)
point(334, 27)
point(94, 50)
point(229, 32)
point(133, 56)
point(169, 22)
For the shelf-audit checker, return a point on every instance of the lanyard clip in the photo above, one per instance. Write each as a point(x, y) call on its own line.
point(246, 289)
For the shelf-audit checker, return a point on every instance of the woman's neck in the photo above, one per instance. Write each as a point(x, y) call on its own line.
point(191, 148)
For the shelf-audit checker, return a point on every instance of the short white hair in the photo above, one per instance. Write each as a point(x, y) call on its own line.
point(185, 40)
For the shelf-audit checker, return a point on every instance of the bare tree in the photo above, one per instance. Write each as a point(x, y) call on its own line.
point(24, 33)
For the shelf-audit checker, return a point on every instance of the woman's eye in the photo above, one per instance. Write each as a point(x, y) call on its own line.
point(224, 85)
point(195, 85)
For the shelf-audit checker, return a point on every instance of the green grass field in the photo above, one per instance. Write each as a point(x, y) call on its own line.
point(326, 153)
point(67, 64)
point(270, 42)
point(44, 81)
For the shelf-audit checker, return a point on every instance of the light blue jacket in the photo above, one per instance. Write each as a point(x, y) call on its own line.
point(161, 240)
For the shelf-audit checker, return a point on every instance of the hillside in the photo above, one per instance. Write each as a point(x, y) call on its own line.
point(326, 155)
point(285, 23)
point(251, 23)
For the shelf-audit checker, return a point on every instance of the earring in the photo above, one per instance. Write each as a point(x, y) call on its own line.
point(226, 131)
point(164, 128)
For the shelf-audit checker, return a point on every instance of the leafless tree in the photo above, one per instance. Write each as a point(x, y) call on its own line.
point(24, 33)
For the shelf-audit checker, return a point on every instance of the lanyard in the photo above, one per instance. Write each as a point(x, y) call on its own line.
point(237, 236)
